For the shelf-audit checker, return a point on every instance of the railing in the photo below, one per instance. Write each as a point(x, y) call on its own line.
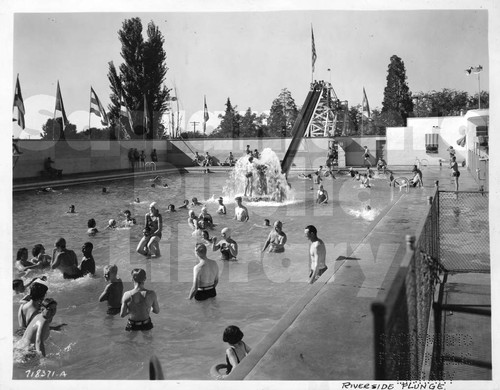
point(401, 318)
point(151, 165)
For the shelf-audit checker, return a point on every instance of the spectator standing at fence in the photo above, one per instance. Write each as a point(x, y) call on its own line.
point(455, 171)
point(143, 158)
point(154, 156)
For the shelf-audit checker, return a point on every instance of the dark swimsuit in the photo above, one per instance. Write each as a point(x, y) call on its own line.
point(229, 365)
point(205, 293)
point(320, 272)
point(139, 325)
point(225, 254)
point(113, 310)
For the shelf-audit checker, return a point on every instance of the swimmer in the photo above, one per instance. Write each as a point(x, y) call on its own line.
point(194, 202)
point(276, 240)
point(71, 209)
point(365, 181)
point(30, 305)
point(240, 211)
point(113, 291)
point(205, 219)
point(41, 259)
point(39, 328)
point(104, 190)
point(222, 206)
point(206, 238)
point(237, 348)
point(129, 221)
point(149, 245)
point(137, 200)
point(87, 265)
point(19, 287)
point(267, 222)
point(171, 208)
point(352, 172)
point(185, 205)
point(205, 276)
point(138, 303)
point(22, 263)
point(111, 224)
point(304, 176)
point(227, 246)
point(322, 195)
point(317, 254)
point(92, 230)
point(198, 231)
point(192, 220)
point(65, 260)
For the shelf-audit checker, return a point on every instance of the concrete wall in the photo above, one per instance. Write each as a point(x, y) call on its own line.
point(93, 156)
point(78, 156)
point(405, 144)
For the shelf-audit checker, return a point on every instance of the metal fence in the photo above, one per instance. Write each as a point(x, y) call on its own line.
point(453, 236)
point(464, 231)
point(401, 318)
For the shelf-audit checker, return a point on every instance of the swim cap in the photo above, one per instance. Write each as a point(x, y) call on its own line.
point(203, 209)
point(153, 205)
point(238, 198)
point(226, 231)
point(278, 223)
point(111, 222)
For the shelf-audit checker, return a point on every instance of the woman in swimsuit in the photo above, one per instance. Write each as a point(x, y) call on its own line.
point(227, 246)
point(237, 348)
point(149, 245)
point(455, 173)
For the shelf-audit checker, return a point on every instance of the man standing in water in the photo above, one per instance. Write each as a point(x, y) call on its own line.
point(138, 302)
point(65, 260)
point(205, 275)
point(317, 254)
point(240, 211)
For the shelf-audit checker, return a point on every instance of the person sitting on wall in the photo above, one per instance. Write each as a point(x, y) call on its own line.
point(381, 165)
point(198, 160)
point(229, 160)
point(52, 172)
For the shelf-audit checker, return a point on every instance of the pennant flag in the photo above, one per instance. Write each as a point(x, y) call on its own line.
point(97, 108)
point(59, 111)
point(146, 121)
point(366, 106)
point(19, 103)
point(206, 117)
point(474, 69)
point(314, 56)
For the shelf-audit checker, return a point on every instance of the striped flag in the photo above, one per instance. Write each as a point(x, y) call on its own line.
point(206, 117)
point(97, 108)
point(366, 106)
point(19, 103)
point(125, 113)
point(314, 56)
point(59, 110)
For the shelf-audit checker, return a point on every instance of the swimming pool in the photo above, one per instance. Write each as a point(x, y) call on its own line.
point(253, 293)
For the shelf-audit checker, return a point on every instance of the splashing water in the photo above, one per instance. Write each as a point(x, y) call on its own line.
point(268, 183)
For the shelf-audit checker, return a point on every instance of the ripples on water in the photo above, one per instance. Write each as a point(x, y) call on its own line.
point(253, 293)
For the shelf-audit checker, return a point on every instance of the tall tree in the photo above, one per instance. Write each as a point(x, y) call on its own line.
point(140, 75)
point(282, 115)
point(248, 127)
point(51, 130)
point(397, 96)
point(229, 126)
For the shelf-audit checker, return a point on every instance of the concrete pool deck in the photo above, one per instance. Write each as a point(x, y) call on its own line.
point(328, 333)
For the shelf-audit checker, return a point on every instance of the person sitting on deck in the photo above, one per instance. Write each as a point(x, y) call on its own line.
point(198, 160)
point(381, 165)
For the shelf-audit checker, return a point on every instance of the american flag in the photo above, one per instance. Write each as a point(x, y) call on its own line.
point(314, 56)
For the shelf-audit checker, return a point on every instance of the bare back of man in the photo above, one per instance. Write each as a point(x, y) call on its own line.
point(67, 262)
point(139, 302)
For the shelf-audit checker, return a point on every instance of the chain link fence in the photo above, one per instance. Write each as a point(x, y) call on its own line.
point(464, 231)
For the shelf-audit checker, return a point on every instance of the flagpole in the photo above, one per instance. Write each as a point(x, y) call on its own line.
point(90, 107)
point(54, 116)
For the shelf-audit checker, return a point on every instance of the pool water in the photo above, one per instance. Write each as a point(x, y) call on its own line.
point(253, 292)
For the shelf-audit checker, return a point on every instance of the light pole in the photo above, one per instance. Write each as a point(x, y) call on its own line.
point(476, 70)
point(329, 75)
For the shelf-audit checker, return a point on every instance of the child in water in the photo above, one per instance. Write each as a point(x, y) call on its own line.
point(113, 291)
point(237, 350)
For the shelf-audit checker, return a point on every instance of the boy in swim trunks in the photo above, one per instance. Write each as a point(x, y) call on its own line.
point(138, 303)
point(87, 266)
point(39, 328)
point(113, 291)
point(65, 260)
point(205, 276)
point(240, 211)
point(222, 206)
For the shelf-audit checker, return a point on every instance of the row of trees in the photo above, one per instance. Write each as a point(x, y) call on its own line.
point(138, 85)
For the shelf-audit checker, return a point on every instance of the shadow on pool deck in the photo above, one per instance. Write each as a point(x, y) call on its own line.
point(328, 333)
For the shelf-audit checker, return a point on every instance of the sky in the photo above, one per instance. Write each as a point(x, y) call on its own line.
point(247, 55)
